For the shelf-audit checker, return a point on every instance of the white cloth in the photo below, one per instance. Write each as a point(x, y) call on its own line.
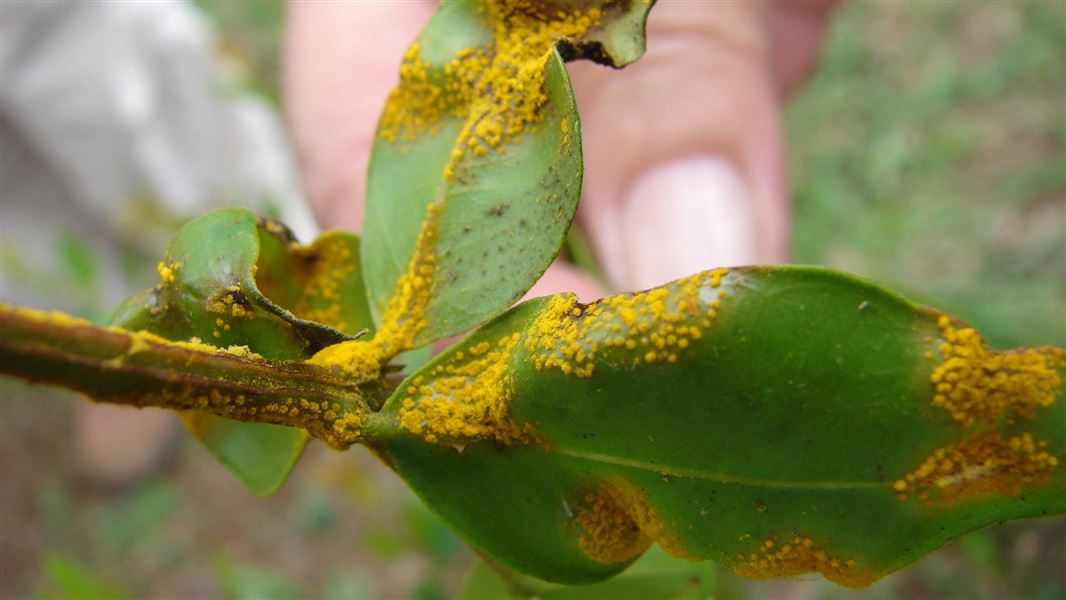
point(120, 119)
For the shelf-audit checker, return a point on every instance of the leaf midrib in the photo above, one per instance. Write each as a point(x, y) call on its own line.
point(670, 471)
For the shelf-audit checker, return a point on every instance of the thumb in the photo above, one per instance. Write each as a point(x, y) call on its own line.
point(685, 165)
point(340, 61)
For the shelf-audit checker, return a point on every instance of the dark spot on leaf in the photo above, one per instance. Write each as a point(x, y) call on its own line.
point(760, 505)
point(496, 211)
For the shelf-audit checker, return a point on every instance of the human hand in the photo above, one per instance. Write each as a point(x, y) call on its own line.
point(684, 152)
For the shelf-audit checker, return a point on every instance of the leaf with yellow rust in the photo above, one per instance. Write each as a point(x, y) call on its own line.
point(777, 420)
point(231, 278)
point(475, 172)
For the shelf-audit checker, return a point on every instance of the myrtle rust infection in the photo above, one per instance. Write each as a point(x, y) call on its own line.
point(402, 320)
point(466, 397)
point(617, 524)
point(974, 384)
point(324, 268)
point(229, 303)
point(496, 92)
point(168, 272)
point(609, 534)
point(988, 463)
point(182, 375)
point(642, 328)
point(796, 555)
point(168, 277)
point(337, 426)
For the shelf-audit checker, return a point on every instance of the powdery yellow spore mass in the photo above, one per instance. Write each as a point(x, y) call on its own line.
point(336, 425)
point(360, 360)
point(230, 302)
point(466, 398)
point(976, 384)
point(168, 273)
point(326, 264)
point(617, 524)
point(496, 92)
point(797, 555)
point(609, 534)
point(647, 327)
point(416, 105)
point(49, 317)
point(140, 341)
point(402, 319)
point(339, 428)
point(989, 463)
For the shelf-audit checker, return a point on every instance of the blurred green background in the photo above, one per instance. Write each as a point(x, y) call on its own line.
point(928, 152)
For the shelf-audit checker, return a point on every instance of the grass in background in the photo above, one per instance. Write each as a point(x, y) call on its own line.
point(929, 153)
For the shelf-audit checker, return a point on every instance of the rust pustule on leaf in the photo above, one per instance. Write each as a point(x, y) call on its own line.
point(988, 463)
point(466, 398)
point(618, 524)
point(609, 534)
point(975, 384)
point(657, 325)
point(796, 555)
point(322, 267)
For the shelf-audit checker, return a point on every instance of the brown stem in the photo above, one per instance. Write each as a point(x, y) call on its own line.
point(140, 369)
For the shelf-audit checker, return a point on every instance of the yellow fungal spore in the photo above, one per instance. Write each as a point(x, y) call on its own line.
point(416, 105)
point(324, 266)
point(496, 92)
point(609, 534)
point(988, 463)
point(617, 524)
point(167, 272)
point(403, 317)
point(976, 384)
point(49, 317)
point(653, 326)
point(360, 360)
point(467, 398)
point(797, 555)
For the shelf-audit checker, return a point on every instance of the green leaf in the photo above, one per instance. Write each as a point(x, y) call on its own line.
point(778, 420)
point(261, 455)
point(76, 582)
point(233, 279)
point(475, 172)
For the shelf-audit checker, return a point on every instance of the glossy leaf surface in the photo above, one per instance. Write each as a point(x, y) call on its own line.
point(232, 279)
point(483, 129)
point(788, 420)
point(654, 575)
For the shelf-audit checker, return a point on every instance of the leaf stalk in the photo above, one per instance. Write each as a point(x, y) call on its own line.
point(139, 369)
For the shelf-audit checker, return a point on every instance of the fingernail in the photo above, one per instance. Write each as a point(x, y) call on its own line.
point(686, 216)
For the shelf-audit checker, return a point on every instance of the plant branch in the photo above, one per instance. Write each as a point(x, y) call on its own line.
point(141, 369)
